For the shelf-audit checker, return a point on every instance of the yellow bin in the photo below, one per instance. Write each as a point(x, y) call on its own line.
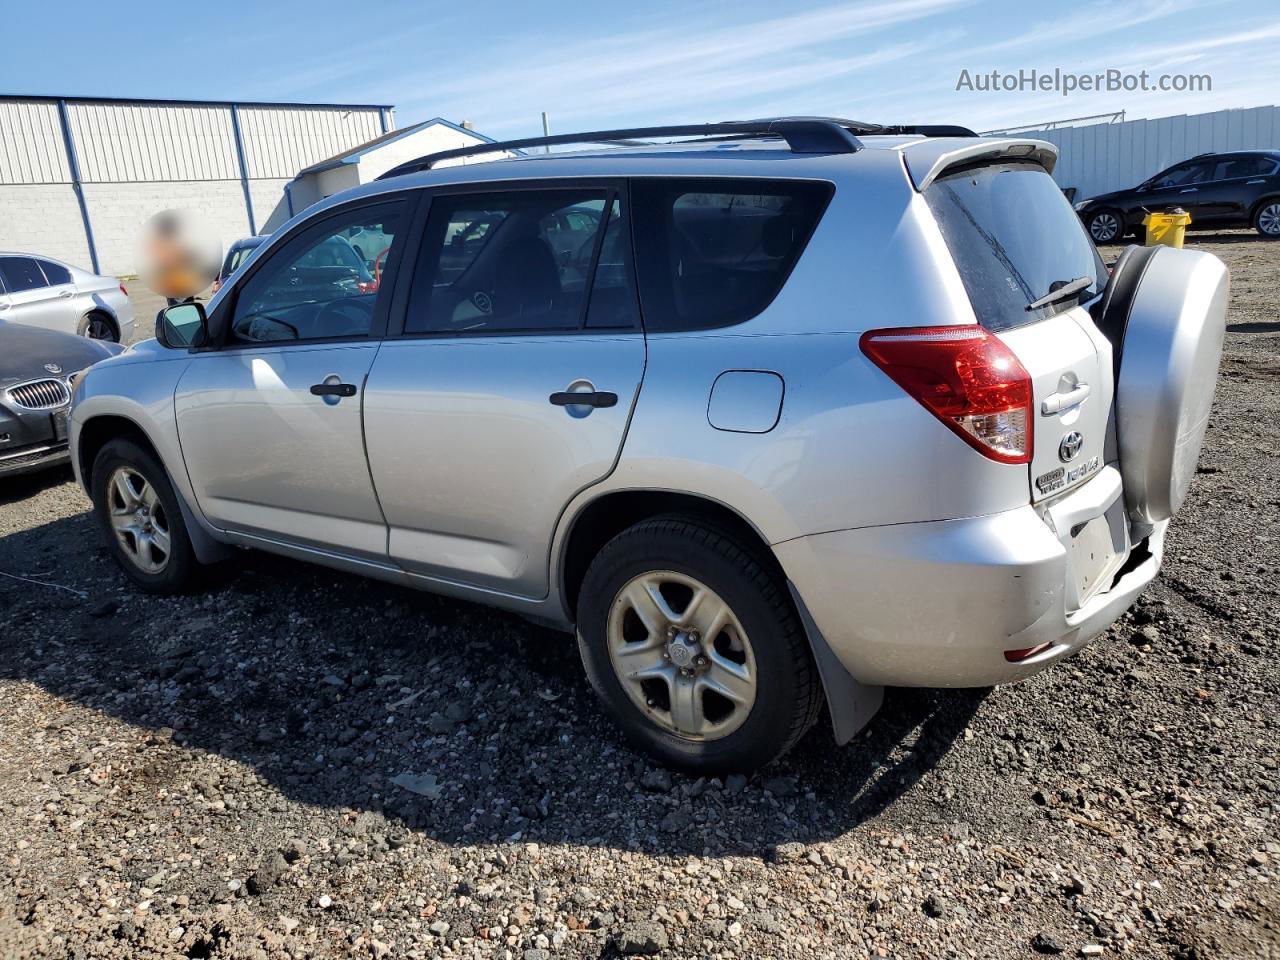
point(1166, 229)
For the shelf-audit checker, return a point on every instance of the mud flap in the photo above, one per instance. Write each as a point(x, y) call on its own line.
point(850, 703)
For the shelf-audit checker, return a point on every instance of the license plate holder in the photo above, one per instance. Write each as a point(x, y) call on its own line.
point(1093, 555)
point(59, 418)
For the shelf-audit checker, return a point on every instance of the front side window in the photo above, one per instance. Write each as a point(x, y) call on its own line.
point(317, 286)
point(518, 260)
point(1183, 175)
point(710, 253)
point(21, 273)
point(1014, 238)
point(55, 273)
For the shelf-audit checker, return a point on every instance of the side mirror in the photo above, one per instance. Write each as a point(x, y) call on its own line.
point(182, 325)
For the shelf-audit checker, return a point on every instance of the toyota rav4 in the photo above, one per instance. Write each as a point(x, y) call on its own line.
point(770, 414)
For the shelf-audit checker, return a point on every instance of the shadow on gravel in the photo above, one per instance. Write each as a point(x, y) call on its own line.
point(13, 489)
point(1261, 327)
point(333, 687)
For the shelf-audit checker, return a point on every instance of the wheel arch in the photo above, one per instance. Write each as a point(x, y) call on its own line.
point(99, 430)
point(1260, 203)
point(601, 519)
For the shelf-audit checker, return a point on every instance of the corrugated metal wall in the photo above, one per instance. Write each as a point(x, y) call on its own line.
point(1103, 157)
point(31, 147)
point(280, 141)
point(136, 158)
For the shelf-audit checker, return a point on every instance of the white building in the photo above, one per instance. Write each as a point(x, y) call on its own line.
point(368, 161)
point(79, 176)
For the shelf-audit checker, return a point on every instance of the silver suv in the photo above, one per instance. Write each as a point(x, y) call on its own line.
point(771, 416)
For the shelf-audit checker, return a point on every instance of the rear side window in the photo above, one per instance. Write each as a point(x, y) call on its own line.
point(710, 253)
point(1014, 238)
point(21, 273)
point(1244, 167)
point(55, 273)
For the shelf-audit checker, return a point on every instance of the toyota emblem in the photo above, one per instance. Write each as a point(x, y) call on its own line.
point(1070, 446)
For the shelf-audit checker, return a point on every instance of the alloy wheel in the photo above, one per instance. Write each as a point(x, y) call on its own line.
point(1104, 227)
point(682, 656)
point(1269, 220)
point(100, 329)
point(138, 519)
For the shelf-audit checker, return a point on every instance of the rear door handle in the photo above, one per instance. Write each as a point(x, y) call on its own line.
point(598, 398)
point(67, 294)
point(1190, 190)
point(1252, 182)
point(1056, 403)
point(333, 389)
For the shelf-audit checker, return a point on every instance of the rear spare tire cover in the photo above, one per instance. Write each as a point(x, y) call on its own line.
point(1168, 372)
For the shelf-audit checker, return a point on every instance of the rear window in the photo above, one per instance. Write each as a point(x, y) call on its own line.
point(55, 273)
point(1014, 238)
point(710, 253)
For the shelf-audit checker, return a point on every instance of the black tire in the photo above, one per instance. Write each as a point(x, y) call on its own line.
point(788, 690)
point(180, 568)
point(98, 326)
point(1270, 210)
point(1096, 223)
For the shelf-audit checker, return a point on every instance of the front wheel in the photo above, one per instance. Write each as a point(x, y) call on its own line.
point(1267, 220)
point(1105, 226)
point(695, 648)
point(141, 518)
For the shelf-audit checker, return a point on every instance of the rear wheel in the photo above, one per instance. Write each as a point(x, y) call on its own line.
point(693, 645)
point(1105, 226)
point(141, 518)
point(98, 326)
point(1267, 220)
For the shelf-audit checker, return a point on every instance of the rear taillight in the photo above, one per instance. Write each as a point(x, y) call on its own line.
point(966, 378)
point(123, 290)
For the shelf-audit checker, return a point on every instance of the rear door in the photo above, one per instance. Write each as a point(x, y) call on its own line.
point(476, 440)
point(1014, 238)
point(33, 300)
point(1237, 183)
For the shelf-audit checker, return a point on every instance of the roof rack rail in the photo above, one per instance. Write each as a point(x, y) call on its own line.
point(802, 134)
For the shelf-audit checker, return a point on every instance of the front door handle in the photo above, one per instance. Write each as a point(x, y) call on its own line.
point(333, 389)
point(1057, 402)
point(594, 398)
point(1190, 190)
point(1252, 182)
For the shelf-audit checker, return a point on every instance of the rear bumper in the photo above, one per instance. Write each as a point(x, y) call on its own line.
point(938, 604)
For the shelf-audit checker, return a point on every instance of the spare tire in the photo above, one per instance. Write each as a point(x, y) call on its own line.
point(1165, 313)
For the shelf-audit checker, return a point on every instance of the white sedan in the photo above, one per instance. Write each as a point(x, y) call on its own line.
point(43, 292)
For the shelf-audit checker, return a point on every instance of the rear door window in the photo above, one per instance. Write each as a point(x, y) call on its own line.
point(1014, 238)
point(710, 253)
point(1244, 167)
point(521, 260)
point(54, 273)
point(21, 273)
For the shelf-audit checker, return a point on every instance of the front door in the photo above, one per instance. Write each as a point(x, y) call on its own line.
point(270, 421)
point(510, 388)
point(27, 296)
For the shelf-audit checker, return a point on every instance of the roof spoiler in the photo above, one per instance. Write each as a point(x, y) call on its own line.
point(929, 159)
point(802, 134)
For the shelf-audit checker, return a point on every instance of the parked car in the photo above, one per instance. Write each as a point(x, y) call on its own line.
point(827, 410)
point(1240, 189)
point(237, 254)
point(43, 292)
point(38, 369)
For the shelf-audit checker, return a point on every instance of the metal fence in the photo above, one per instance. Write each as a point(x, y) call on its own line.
point(1102, 157)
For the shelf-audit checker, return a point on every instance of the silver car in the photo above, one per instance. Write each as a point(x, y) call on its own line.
point(808, 408)
point(43, 292)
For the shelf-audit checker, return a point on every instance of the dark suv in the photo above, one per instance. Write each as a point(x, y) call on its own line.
point(1239, 189)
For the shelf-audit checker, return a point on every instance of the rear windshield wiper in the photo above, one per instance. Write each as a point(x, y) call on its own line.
point(1061, 290)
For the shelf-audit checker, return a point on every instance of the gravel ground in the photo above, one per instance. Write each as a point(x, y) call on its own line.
point(302, 764)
